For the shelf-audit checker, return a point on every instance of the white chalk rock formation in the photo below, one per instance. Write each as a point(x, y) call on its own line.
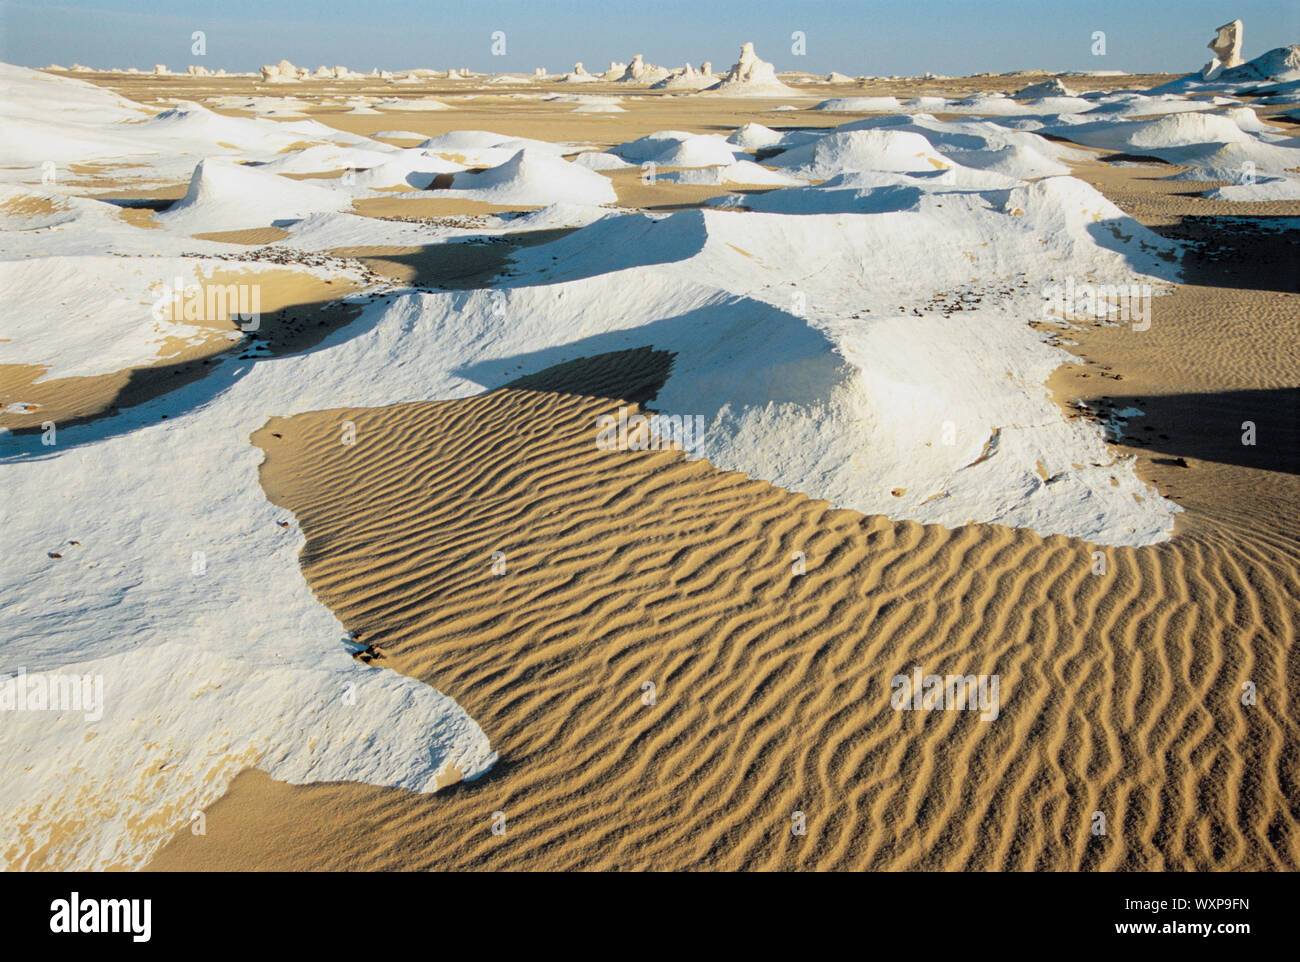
point(688, 78)
point(1280, 65)
point(751, 77)
point(706, 68)
point(160, 70)
point(534, 178)
point(615, 71)
point(1226, 47)
point(194, 70)
point(754, 137)
point(224, 196)
point(640, 72)
point(1048, 88)
point(835, 77)
point(579, 75)
point(282, 72)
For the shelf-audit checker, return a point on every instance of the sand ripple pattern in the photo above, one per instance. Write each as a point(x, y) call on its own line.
point(1120, 692)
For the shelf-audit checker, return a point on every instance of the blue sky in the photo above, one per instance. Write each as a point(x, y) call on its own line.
point(863, 36)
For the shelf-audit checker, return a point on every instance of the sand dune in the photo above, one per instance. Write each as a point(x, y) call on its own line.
point(1120, 692)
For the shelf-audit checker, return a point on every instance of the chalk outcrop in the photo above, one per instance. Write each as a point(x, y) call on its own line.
point(640, 72)
point(282, 72)
point(688, 78)
point(1226, 47)
point(1048, 88)
point(751, 77)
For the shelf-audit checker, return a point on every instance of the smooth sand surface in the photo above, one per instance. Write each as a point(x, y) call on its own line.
point(1121, 692)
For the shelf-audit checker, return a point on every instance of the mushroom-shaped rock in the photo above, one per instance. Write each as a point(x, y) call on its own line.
point(1226, 47)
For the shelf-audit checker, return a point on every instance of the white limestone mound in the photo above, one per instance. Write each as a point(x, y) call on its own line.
point(1248, 120)
point(1214, 145)
point(1226, 47)
point(615, 72)
point(407, 168)
point(193, 125)
point(741, 173)
point(600, 160)
point(531, 178)
point(1048, 88)
point(983, 146)
point(1264, 188)
point(842, 194)
point(751, 77)
point(677, 148)
point(835, 77)
point(483, 148)
point(160, 70)
point(1280, 65)
point(832, 379)
point(1133, 104)
point(752, 137)
point(859, 105)
point(860, 150)
point(51, 210)
point(324, 157)
point(231, 197)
